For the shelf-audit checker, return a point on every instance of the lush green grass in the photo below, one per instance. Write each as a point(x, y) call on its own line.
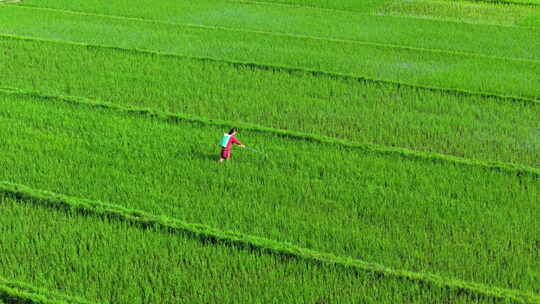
point(409, 66)
point(79, 255)
point(506, 2)
point(126, 6)
point(484, 12)
point(467, 222)
point(231, 238)
point(448, 36)
point(12, 292)
point(370, 4)
point(464, 11)
point(346, 201)
point(469, 126)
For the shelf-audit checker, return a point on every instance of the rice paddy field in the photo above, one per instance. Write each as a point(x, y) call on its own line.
point(394, 151)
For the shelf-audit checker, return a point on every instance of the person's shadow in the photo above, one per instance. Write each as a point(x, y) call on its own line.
point(206, 155)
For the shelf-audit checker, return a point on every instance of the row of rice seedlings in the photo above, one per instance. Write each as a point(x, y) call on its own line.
point(508, 2)
point(14, 292)
point(361, 6)
point(112, 261)
point(168, 116)
point(231, 238)
point(464, 11)
point(458, 221)
point(368, 112)
point(500, 41)
point(409, 66)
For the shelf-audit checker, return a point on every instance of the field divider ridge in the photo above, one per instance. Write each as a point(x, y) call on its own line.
point(13, 291)
point(286, 68)
point(290, 5)
point(409, 17)
point(260, 2)
point(244, 241)
point(508, 168)
point(286, 5)
point(283, 34)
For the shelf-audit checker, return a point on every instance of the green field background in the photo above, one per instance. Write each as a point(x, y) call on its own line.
point(404, 135)
point(328, 198)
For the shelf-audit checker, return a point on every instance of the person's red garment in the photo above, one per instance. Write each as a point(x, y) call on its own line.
point(226, 152)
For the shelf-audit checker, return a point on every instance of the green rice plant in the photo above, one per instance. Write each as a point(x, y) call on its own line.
point(362, 6)
point(476, 127)
point(406, 213)
point(229, 238)
point(506, 2)
point(14, 296)
point(465, 11)
point(167, 116)
point(13, 292)
point(411, 66)
point(367, 5)
point(382, 27)
point(79, 254)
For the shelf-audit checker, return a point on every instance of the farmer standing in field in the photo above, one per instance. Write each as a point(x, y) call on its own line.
point(226, 143)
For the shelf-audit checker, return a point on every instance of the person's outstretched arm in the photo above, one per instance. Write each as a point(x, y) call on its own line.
point(237, 142)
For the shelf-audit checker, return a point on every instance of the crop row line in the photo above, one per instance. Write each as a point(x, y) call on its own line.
point(12, 295)
point(508, 168)
point(362, 13)
point(507, 2)
point(282, 34)
point(358, 13)
point(17, 292)
point(290, 5)
point(285, 69)
point(231, 238)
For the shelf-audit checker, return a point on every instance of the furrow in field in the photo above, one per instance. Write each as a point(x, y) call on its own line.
point(13, 292)
point(511, 169)
point(365, 5)
point(180, 268)
point(385, 31)
point(404, 213)
point(275, 67)
point(473, 12)
point(271, 32)
point(516, 2)
point(444, 71)
point(476, 127)
point(266, 246)
point(15, 296)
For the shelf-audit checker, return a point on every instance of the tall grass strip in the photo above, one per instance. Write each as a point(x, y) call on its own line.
point(42, 291)
point(14, 296)
point(508, 168)
point(466, 126)
point(292, 34)
point(508, 2)
point(284, 68)
point(329, 198)
point(21, 192)
point(158, 265)
point(21, 293)
point(352, 6)
point(398, 65)
point(423, 12)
